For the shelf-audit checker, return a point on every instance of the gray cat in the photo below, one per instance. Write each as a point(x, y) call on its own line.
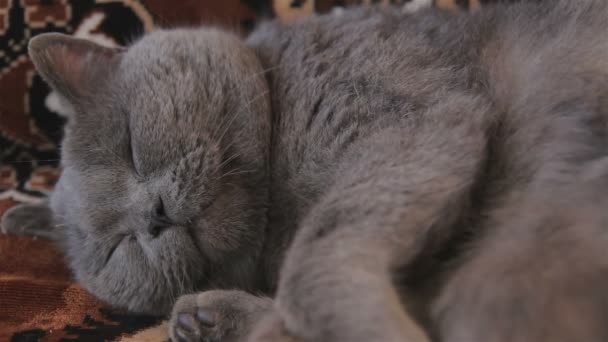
point(385, 176)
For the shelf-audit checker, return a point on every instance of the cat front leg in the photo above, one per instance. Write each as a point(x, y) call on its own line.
point(399, 193)
point(541, 271)
point(30, 220)
point(216, 316)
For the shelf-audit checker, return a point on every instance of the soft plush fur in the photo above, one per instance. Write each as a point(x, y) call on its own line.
point(387, 176)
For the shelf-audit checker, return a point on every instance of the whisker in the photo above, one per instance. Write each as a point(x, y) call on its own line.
point(256, 74)
point(227, 147)
point(228, 125)
point(234, 116)
point(228, 160)
point(237, 172)
point(243, 80)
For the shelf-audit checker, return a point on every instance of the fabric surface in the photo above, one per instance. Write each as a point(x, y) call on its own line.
point(38, 299)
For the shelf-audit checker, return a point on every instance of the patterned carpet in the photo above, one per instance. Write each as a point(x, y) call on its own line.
point(38, 300)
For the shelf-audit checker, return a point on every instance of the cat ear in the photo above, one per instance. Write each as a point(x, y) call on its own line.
point(74, 67)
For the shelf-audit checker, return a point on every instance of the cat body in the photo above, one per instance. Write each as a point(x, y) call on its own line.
point(388, 177)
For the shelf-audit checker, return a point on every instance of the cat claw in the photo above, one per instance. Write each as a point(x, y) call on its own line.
point(195, 326)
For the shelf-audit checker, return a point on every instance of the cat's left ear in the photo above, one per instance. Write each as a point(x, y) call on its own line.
point(74, 67)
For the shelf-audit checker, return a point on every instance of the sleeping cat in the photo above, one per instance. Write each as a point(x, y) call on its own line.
point(386, 177)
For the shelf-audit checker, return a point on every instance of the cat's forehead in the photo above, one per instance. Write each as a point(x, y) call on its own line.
point(167, 64)
point(149, 61)
point(176, 74)
point(178, 47)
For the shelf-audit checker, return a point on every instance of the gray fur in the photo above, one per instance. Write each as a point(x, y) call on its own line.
point(166, 125)
point(390, 177)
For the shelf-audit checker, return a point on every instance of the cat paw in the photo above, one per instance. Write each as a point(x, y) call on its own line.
point(28, 219)
point(196, 325)
point(216, 316)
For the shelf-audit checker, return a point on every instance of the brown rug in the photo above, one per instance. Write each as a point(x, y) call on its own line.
point(38, 299)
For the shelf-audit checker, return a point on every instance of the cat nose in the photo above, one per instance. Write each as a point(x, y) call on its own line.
point(159, 220)
point(156, 227)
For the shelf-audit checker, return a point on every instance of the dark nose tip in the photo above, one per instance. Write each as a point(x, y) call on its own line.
point(159, 220)
point(155, 227)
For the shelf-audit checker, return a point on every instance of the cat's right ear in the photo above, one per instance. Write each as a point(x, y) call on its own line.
point(74, 67)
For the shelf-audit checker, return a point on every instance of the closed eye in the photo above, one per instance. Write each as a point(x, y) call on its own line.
point(131, 152)
point(160, 214)
point(160, 208)
point(113, 249)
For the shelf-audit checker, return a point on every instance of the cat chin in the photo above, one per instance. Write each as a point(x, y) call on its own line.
point(147, 275)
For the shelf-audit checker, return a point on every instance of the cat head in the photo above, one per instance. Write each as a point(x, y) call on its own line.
point(164, 183)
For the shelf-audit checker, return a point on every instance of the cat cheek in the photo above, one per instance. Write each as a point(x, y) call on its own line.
point(203, 234)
